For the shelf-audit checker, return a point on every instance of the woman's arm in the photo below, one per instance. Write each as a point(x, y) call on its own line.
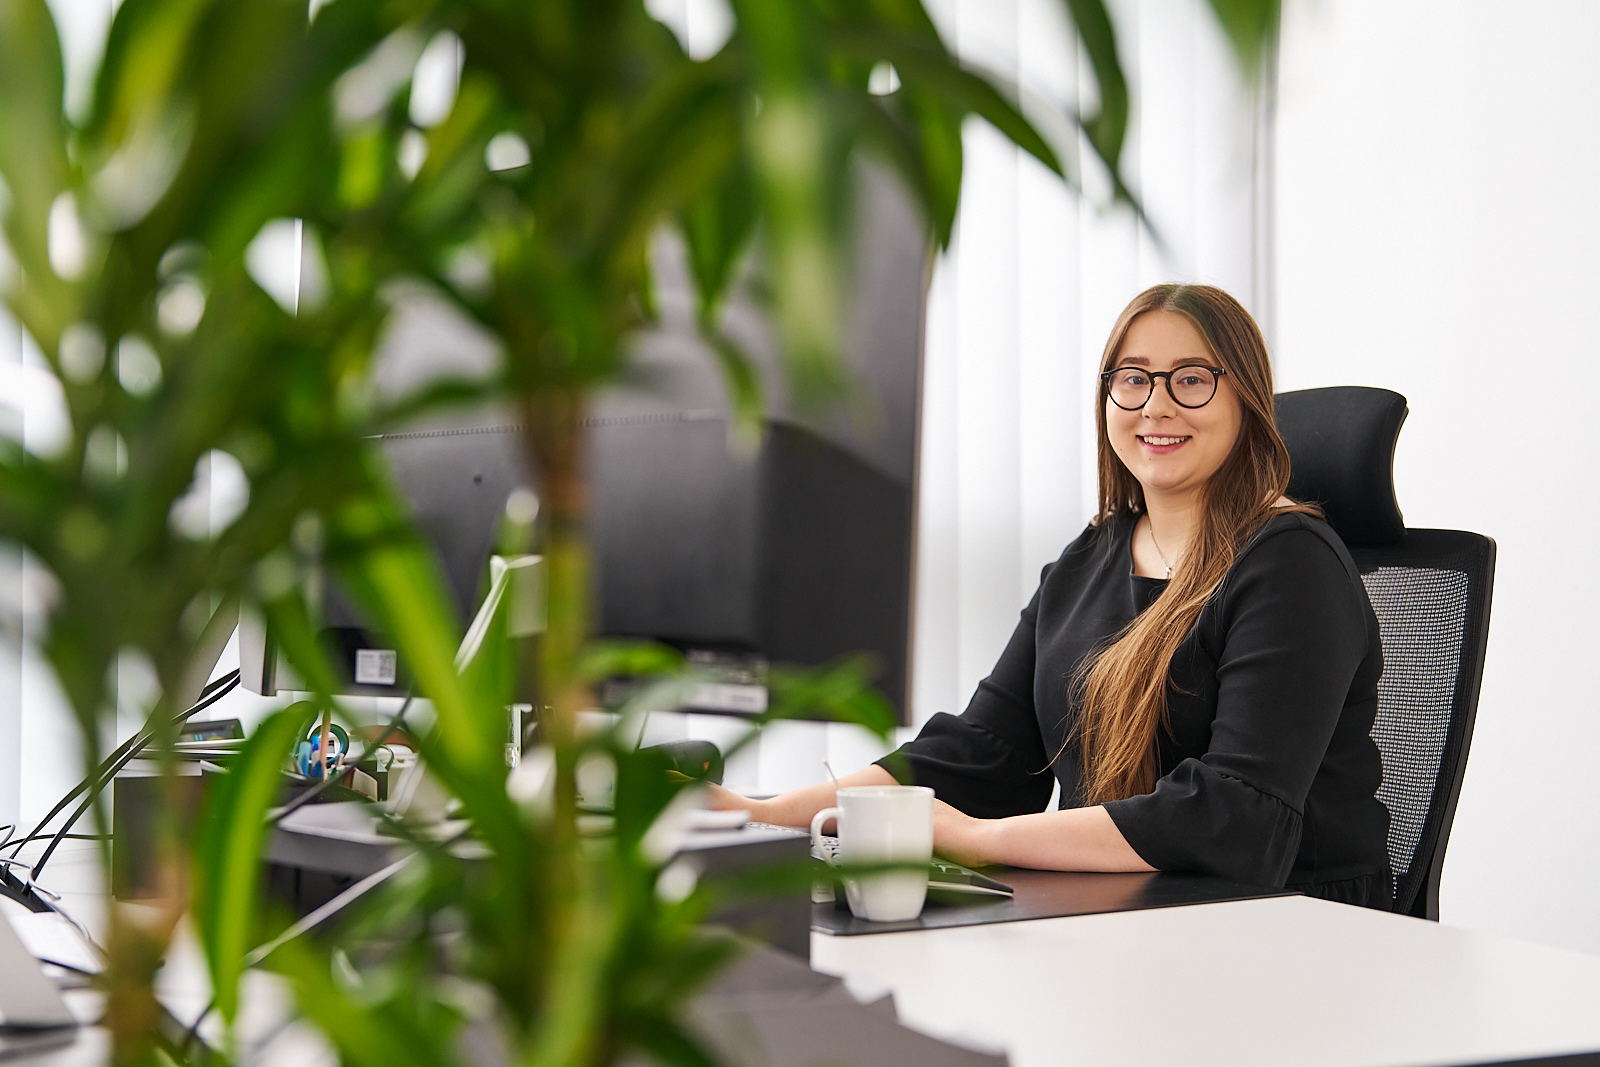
point(796, 807)
point(1075, 839)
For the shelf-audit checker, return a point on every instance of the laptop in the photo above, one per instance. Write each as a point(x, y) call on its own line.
point(33, 1017)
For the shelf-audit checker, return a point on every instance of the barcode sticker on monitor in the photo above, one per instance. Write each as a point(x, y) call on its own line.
point(375, 666)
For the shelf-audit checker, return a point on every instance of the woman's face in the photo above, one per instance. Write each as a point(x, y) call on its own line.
point(1172, 450)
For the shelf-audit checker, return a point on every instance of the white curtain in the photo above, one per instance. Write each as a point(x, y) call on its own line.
point(39, 753)
point(1022, 303)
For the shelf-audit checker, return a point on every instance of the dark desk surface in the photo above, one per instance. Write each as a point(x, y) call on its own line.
point(1050, 895)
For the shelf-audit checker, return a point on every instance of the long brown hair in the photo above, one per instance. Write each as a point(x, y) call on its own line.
point(1123, 690)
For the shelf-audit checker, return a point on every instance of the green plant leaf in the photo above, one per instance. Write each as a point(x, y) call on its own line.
point(612, 659)
point(670, 1044)
point(228, 858)
point(800, 175)
point(1107, 128)
point(1252, 28)
point(146, 52)
point(743, 382)
point(291, 623)
point(716, 227)
point(383, 564)
point(398, 579)
point(33, 155)
point(921, 139)
point(930, 67)
point(392, 1031)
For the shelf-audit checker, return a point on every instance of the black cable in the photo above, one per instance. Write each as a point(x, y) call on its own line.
point(127, 758)
point(66, 837)
point(130, 749)
point(193, 1032)
point(209, 696)
point(226, 683)
point(24, 892)
point(20, 891)
point(107, 771)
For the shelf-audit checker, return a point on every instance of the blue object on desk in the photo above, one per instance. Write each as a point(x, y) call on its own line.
point(304, 761)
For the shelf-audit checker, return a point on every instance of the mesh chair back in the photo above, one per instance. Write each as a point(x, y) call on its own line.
point(1431, 594)
point(1430, 590)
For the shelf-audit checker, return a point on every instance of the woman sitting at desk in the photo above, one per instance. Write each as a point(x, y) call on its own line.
point(1200, 667)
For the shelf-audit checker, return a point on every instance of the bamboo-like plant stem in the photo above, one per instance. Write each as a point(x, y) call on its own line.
point(553, 418)
point(553, 421)
point(140, 935)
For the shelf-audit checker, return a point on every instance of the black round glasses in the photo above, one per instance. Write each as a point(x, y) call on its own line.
point(1190, 387)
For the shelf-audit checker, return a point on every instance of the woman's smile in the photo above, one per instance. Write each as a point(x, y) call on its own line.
point(1161, 445)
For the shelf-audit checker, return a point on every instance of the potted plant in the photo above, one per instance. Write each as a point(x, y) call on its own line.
point(136, 237)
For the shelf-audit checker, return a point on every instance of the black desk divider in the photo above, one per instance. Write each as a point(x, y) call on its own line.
point(1050, 895)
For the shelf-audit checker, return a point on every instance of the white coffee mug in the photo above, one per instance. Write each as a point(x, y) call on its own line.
point(883, 824)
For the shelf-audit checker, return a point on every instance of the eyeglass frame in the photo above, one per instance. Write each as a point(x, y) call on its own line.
point(1220, 372)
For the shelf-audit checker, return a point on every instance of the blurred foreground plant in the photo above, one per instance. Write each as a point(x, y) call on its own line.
point(204, 419)
point(139, 241)
point(577, 131)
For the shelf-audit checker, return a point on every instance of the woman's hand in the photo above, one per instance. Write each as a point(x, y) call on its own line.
point(796, 807)
point(720, 799)
point(960, 838)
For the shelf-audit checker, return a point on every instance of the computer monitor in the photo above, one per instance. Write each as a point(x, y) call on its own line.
point(456, 482)
point(797, 551)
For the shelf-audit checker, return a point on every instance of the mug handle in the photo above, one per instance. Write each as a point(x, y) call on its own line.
point(816, 829)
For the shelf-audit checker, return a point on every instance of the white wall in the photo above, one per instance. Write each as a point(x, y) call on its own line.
point(1438, 227)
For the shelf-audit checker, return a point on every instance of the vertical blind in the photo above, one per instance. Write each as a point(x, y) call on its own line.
point(1021, 304)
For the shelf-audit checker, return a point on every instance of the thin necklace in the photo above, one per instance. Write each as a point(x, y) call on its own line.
point(1150, 528)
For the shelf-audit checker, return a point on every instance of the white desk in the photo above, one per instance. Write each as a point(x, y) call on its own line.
point(1272, 982)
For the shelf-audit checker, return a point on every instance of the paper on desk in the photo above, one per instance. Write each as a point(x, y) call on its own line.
point(350, 821)
point(50, 937)
point(359, 823)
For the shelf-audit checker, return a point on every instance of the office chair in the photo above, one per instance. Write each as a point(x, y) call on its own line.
point(1430, 590)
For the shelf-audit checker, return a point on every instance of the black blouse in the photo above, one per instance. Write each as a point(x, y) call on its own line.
point(1268, 770)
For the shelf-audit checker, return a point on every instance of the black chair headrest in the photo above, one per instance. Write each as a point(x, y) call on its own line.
point(1341, 452)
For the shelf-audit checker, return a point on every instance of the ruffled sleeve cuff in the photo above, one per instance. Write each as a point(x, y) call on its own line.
point(1199, 819)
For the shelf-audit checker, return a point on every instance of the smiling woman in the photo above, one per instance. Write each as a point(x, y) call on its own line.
point(1198, 670)
point(1172, 439)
